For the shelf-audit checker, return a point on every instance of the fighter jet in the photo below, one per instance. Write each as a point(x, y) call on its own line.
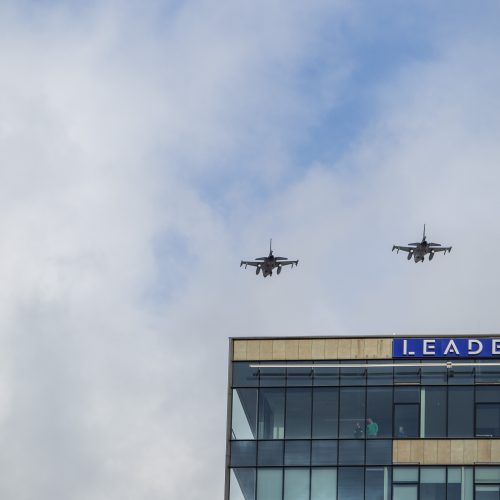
point(267, 264)
point(419, 250)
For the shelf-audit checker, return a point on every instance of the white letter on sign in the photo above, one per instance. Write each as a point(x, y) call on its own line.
point(452, 347)
point(495, 348)
point(429, 347)
point(477, 343)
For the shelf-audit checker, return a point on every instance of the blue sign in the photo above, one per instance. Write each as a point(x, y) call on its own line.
point(446, 348)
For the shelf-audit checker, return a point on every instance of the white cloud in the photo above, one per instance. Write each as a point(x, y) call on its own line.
point(119, 264)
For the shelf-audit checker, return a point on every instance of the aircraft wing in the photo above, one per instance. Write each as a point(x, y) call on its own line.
point(440, 249)
point(249, 263)
point(288, 262)
point(403, 249)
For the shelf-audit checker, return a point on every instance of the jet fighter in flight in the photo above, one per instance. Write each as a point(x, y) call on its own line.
point(419, 250)
point(267, 264)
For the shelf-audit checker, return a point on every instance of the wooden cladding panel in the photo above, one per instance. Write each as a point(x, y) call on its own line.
point(446, 451)
point(307, 349)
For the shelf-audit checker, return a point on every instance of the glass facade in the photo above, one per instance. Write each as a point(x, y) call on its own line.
point(326, 433)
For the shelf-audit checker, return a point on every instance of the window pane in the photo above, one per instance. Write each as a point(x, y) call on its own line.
point(324, 453)
point(377, 483)
point(352, 412)
point(487, 474)
point(352, 376)
point(379, 410)
point(488, 394)
point(461, 375)
point(406, 375)
point(298, 413)
point(243, 453)
point(461, 411)
point(271, 413)
point(487, 492)
point(272, 377)
point(405, 474)
point(351, 483)
point(296, 484)
point(379, 452)
point(297, 452)
point(244, 376)
point(269, 484)
point(270, 453)
point(489, 374)
point(406, 394)
point(298, 376)
point(242, 484)
point(326, 376)
point(244, 421)
point(324, 484)
point(433, 412)
point(352, 452)
point(405, 421)
point(405, 492)
point(434, 374)
point(325, 412)
point(379, 376)
point(488, 420)
point(460, 484)
point(433, 483)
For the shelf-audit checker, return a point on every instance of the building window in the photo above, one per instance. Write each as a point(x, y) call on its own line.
point(324, 484)
point(271, 414)
point(298, 413)
point(269, 484)
point(296, 484)
point(460, 411)
point(352, 412)
point(406, 420)
point(325, 413)
point(433, 412)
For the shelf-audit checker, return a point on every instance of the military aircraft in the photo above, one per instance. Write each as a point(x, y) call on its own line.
point(267, 264)
point(419, 250)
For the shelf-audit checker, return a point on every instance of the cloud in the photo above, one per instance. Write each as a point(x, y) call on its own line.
point(145, 150)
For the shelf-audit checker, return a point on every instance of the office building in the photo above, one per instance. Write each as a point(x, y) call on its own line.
point(376, 418)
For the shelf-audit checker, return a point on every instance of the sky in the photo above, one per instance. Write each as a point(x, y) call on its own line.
point(147, 147)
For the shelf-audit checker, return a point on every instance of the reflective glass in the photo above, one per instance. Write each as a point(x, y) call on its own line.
point(488, 420)
point(296, 484)
point(272, 377)
point(433, 483)
point(243, 453)
point(488, 394)
point(297, 452)
point(298, 413)
point(433, 412)
point(242, 484)
point(379, 412)
point(405, 492)
point(407, 394)
point(460, 484)
point(487, 492)
point(244, 376)
point(407, 374)
point(324, 452)
point(461, 411)
point(379, 452)
point(461, 375)
point(405, 474)
point(244, 414)
point(406, 421)
point(324, 484)
point(487, 474)
point(352, 452)
point(325, 412)
point(487, 374)
point(434, 375)
point(270, 453)
point(352, 376)
point(379, 376)
point(298, 376)
point(351, 483)
point(269, 484)
point(352, 412)
point(377, 483)
point(271, 413)
point(326, 376)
